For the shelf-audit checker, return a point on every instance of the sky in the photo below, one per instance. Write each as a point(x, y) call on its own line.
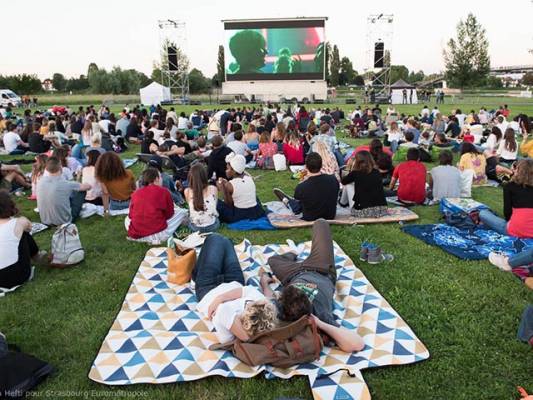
point(66, 35)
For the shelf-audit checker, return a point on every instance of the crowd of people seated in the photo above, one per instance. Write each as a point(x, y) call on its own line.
point(199, 162)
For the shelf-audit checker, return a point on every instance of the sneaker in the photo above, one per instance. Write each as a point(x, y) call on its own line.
point(363, 252)
point(281, 196)
point(500, 260)
point(376, 256)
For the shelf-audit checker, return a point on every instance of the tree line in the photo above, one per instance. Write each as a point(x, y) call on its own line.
point(466, 59)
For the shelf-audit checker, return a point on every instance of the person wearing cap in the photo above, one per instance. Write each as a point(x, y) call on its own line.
point(240, 199)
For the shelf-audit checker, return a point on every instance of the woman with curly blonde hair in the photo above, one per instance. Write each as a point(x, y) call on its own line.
point(517, 204)
point(237, 310)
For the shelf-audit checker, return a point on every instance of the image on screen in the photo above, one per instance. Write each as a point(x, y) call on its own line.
point(274, 53)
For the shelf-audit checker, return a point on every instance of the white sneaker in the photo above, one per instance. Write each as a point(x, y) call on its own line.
point(501, 261)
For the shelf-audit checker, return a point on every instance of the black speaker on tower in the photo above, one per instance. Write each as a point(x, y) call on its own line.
point(172, 56)
point(379, 54)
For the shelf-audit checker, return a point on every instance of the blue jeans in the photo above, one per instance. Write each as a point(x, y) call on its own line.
point(216, 264)
point(524, 258)
point(394, 146)
point(493, 221)
point(339, 157)
point(204, 229)
point(230, 214)
point(76, 203)
point(119, 204)
point(18, 151)
point(295, 206)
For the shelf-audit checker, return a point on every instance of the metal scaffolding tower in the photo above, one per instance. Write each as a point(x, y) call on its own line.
point(174, 62)
point(378, 54)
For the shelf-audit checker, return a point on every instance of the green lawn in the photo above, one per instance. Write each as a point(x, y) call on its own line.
point(466, 313)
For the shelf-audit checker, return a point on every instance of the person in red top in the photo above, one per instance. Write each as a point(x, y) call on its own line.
point(412, 176)
point(293, 150)
point(151, 215)
point(517, 204)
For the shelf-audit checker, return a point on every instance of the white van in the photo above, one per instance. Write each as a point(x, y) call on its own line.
point(8, 97)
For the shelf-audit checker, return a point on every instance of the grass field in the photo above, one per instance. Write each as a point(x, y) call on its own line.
point(466, 313)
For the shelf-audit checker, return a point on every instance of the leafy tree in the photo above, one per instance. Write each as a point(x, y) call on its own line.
point(198, 83)
point(334, 67)
point(399, 72)
point(221, 76)
point(466, 57)
point(359, 80)
point(59, 82)
point(416, 76)
point(327, 56)
point(77, 84)
point(21, 84)
point(347, 73)
point(156, 73)
point(527, 79)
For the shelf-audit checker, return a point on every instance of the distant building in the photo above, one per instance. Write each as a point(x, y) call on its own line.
point(511, 75)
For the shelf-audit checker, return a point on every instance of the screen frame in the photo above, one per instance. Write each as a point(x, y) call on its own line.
point(277, 23)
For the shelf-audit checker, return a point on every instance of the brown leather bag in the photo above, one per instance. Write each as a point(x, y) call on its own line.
point(181, 262)
point(295, 343)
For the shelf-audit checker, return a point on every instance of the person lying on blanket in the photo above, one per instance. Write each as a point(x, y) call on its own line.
point(309, 287)
point(236, 310)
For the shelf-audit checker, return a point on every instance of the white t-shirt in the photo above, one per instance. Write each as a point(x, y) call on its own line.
point(492, 142)
point(11, 141)
point(506, 154)
point(158, 135)
point(9, 243)
point(182, 123)
point(503, 126)
point(104, 125)
point(226, 312)
point(88, 177)
point(244, 195)
point(395, 135)
point(238, 147)
point(460, 119)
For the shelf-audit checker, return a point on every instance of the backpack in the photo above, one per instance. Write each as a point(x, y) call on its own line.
point(19, 372)
point(295, 343)
point(66, 246)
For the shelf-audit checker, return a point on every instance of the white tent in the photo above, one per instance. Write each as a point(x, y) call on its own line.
point(397, 89)
point(154, 94)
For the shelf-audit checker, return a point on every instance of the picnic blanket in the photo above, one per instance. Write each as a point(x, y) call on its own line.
point(283, 218)
point(467, 244)
point(259, 224)
point(158, 336)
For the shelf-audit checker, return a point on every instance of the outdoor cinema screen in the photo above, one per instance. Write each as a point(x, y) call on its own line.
point(274, 50)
